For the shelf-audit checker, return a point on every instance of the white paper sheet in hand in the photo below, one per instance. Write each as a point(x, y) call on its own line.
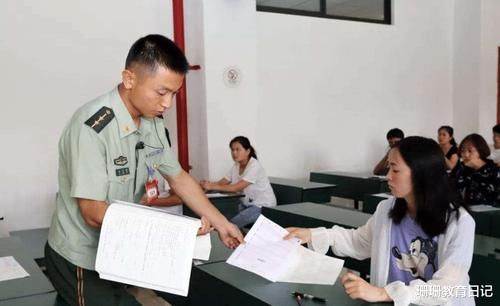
point(146, 247)
point(266, 253)
point(202, 247)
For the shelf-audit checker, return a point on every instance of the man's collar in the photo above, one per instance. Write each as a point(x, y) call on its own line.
point(125, 122)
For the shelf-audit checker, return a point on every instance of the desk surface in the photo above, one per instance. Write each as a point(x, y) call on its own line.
point(46, 299)
point(224, 195)
point(254, 290)
point(324, 212)
point(299, 183)
point(35, 284)
point(219, 251)
point(33, 240)
point(487, 246)
point(360, 175)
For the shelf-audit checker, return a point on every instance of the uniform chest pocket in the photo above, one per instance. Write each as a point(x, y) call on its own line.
point(121, 187)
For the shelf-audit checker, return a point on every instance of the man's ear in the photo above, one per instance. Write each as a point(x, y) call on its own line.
point(128, 78)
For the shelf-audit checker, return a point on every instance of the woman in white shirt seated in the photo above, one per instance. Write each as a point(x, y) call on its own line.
point(247, 176)
point(420, 242)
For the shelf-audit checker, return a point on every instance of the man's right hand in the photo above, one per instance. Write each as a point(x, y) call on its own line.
point(230, 235)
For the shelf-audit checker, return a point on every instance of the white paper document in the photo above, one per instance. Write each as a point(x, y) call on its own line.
point(146, 247)
point(483, 207)
point(216, 195)
point(267, 254)
point(202, 247)
point(11, 269)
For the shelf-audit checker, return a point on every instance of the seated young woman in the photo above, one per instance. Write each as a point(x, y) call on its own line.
point(477, 178)
point(448, 146)
point(248, 176)
point(419, 240)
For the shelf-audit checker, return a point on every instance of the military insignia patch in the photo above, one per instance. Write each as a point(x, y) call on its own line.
point(100, 119)
point(122, 171)
point(120, 161)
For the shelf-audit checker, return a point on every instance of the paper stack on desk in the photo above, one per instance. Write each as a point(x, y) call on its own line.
point(147, 247)
point(267, 254)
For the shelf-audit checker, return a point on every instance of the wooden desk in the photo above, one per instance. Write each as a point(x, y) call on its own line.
point(289, 191)
point(35, 284)
point(315, 215)
point(371, 202)
point(226, 203)
point(485, 269)
point(487, 222)
point(351, 185)
point(219, 251)
point(45, 299)
point(223, 284)
point(34, 242)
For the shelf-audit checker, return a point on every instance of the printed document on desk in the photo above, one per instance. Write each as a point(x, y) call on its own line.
point(267, 254)
point(483, 208)
point(11, 269)
point(146, 247)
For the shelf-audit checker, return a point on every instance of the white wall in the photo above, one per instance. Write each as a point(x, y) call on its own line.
point(56, 55)
point(329, 90)
point(229, 41)
point(476, 42)
point(466, 73)
point(488, 67)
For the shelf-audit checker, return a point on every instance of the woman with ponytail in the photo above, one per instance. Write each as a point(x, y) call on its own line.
point(247, 176)
point(448, 146)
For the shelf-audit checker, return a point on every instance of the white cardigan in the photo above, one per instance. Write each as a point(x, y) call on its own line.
point(455, 250)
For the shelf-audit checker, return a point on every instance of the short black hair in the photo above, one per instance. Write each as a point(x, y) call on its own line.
point(478, 142)
point(155, 50)
point(496, 129)
point(395, 133)
point(434, 196)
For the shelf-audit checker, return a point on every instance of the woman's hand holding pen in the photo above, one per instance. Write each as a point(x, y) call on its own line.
point(357, 288)
point(304, 234)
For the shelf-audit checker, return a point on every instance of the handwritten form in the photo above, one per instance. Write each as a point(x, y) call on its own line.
point(146, 247)
point(11, 269)
point(267, 254)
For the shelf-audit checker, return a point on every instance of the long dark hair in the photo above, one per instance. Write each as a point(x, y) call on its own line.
point(434, 198)
point(449, 130)
point(245, 143)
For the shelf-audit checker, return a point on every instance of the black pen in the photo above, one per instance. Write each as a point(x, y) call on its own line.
point(309, 296)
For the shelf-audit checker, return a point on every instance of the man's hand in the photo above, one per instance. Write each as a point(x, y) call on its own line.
point(358, 288)
point(230, 235)
point(206, 227)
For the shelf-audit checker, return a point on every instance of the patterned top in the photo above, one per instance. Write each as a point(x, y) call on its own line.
point(481, 186)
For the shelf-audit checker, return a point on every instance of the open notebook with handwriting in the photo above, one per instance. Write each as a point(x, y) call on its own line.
point(146, 247)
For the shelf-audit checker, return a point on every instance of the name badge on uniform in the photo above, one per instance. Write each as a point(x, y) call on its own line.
point(154, 153)
point(151, 186)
